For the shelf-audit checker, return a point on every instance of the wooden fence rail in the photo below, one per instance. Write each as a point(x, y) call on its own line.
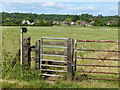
point(94, 58)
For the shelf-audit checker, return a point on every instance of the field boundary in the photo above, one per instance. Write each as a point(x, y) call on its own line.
point(70, 47)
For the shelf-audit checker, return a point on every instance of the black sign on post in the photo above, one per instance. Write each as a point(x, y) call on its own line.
point(24, 30)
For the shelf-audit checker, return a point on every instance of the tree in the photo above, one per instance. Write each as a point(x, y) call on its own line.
point(100, 16)
point(49, 23)
point(99, 22)
point(86, 17)
point(78, 22)
point(75, 18)
point(68, 20)
point(40, 23)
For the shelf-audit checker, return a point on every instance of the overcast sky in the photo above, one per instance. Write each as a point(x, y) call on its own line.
point(62, 7)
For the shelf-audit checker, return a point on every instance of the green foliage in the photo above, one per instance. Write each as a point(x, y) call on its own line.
point(99, 22)
point(86, 17)
point(40, 23)
point(14, 19)
point(75, 18)
point(49, 23)
point(78, 22)
point(68, 20)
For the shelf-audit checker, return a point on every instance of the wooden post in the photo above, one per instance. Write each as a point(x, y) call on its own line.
point(26, 51)
point(21, 47)
point(37, 55)
point(70, 49)
point(65, 50)
point(22, 30)
point(75, 54)
point(41, 43)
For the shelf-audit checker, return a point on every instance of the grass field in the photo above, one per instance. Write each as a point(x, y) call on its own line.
point(10, 46)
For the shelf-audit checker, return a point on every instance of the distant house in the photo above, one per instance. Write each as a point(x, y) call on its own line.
point(92, 22)
point(32, 23)
point(64, 23)
point(56, 22)
point(44, 21)
point(72, 23)
point(85, 24)
point(111, 22)
point(27, 22)
point(23, 22)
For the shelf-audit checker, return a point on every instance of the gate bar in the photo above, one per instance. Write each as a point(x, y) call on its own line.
point(96, 50)
point(98, 58)
point(53, 55)
point(52, 70)
point(54, 38)
point(55, 61)
point(53, 47)
point(97, 65)
point(96, 41)
point(52, 75)
point(97, 72)
point(102, 79)
point(54, 65)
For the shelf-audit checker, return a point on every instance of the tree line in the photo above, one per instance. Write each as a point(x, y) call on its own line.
point(16, 19)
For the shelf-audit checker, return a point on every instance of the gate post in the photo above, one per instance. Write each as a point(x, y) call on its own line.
point(37, 55)
point(26, 51)
point(70, 53)
point(75, 54)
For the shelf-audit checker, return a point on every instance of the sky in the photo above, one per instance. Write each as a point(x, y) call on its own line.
point(93, 7)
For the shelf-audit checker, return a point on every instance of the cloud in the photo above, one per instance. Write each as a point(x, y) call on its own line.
point(48, 4)
point(60, 1)
point(61, 7)
point(66, 6)
point(82, 8)
point(56, 4)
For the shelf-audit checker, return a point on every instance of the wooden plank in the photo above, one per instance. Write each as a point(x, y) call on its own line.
point(78, 49)
point(98, 58)
point(37, 55)
point(97, 72)
point(32, 48)
point(97, 41)
point(26, 51)
point(102, 79)
point(97, 65)
point(52, 43)
point(52, 75)
point(53, 52)
point(70, 47)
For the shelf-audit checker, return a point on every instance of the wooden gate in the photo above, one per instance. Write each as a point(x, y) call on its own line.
point(52, 56)
point(97, 59)
point(56, 56)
